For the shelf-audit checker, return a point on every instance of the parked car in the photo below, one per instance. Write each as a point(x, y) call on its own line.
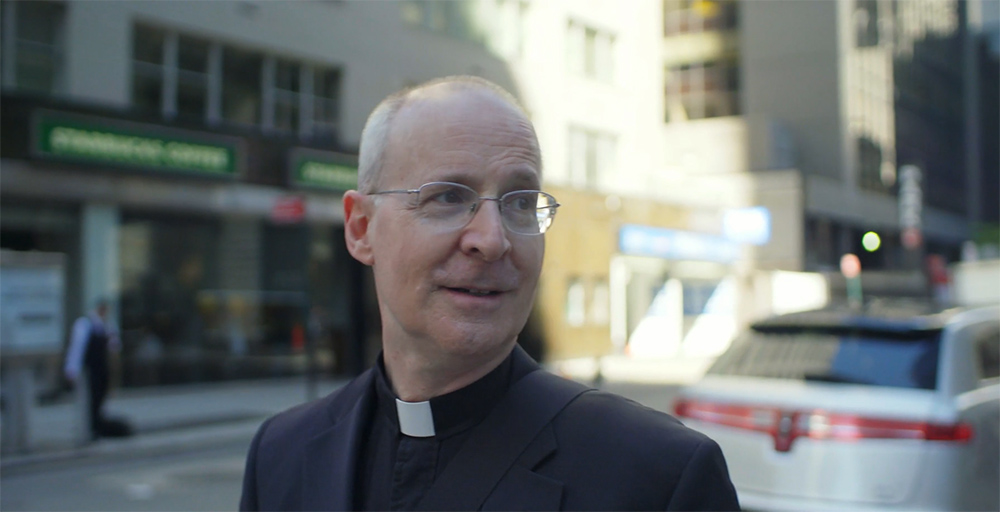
point(887, 408)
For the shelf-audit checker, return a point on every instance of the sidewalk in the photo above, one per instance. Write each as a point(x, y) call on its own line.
point(163, 419)
point(177, 418)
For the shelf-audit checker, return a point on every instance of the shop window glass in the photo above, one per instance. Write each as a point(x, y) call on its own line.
point(168, 320)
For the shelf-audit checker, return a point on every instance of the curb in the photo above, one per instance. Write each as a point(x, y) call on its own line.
point(150, 443)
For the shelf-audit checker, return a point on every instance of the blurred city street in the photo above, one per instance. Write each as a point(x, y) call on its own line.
point(177, 182)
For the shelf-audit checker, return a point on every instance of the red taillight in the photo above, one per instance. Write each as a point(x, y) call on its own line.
point(787, 425)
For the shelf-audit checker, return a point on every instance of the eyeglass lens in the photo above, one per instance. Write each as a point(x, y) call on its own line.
point(525, 211)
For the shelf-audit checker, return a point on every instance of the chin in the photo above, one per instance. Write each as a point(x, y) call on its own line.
point(475, 341)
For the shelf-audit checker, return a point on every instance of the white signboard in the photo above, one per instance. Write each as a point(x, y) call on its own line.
point(31, 303)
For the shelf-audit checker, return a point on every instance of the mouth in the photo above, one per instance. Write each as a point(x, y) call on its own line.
point(475, 292)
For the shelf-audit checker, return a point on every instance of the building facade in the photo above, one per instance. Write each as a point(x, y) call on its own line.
point(189, 158)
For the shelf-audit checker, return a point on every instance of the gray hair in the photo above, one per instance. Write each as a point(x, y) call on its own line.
point(375, 135)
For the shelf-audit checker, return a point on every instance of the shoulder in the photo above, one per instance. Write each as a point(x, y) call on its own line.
point(303, 422)
point(613, 426)
point(648, 459)
point(615, 416)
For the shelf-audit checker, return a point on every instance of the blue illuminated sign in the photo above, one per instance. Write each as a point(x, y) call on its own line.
point(676, 245)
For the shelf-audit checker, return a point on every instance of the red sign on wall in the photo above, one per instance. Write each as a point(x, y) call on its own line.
point(288, 210)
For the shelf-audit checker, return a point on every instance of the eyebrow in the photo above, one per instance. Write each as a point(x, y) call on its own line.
point(521, 179)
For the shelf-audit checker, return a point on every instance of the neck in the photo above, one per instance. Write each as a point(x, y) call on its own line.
point(415, 378)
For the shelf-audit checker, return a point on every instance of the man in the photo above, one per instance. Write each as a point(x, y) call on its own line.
point(92, 341)
point(455, 416)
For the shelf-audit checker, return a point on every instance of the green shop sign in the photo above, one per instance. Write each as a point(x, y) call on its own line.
point(103, 141)
point(323, 170)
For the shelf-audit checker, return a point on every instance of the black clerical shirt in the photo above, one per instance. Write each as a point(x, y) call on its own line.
point(396, 470)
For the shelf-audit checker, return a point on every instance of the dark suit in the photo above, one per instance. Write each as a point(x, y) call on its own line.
point(600, 452)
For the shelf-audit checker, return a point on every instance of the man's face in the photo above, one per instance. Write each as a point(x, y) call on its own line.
point(462, 293)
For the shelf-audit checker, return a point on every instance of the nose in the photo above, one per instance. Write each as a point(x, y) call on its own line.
point(485, 235)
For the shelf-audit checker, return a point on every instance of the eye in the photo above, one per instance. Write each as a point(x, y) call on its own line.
point(450, 196)
point(523, 201)
point(444, 194)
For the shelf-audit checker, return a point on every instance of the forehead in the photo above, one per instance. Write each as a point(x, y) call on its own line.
point(471, 134)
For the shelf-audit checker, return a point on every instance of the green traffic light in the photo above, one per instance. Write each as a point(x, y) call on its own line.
point(871, 241)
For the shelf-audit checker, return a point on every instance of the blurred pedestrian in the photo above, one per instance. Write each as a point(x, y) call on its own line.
point(454, 415)
point(93, 341)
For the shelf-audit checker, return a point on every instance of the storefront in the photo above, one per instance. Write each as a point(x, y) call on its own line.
point(630, 276)
point(222, 252)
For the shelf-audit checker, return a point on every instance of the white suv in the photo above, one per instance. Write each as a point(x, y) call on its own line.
point(882, 409)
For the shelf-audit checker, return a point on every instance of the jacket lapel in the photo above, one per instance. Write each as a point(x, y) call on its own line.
point(329, 467)
point(523, 489)
point(517, 430)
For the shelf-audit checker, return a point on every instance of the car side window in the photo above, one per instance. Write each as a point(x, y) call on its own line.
point(988, 354)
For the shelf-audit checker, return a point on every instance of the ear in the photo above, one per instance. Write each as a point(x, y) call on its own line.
point(357, 215)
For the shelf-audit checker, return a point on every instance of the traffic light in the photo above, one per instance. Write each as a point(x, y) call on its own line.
point(871, 241)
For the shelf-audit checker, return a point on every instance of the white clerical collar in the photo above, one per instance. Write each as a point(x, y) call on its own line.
point(415, 418)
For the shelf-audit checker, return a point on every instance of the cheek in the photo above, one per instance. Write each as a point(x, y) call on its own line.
point(528, 260)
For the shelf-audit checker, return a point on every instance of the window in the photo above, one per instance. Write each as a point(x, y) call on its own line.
point(148, 69)
point(866, 22)
point(702, 90)
point(448, 17)
point(600, 303)
point(33, 45)
point(241, 81)
point(576, 297)
point(170, 73)
point(988, 354)
point(591, 155)
point(895, 359)
point(179, 75)
point(509, 28)
point(286, 95)
point(192, 77)
point(688, 16)
point(870, 165)
point(590, 52)
point(326, 90)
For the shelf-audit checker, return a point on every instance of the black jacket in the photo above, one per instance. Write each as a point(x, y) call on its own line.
point(600, 452)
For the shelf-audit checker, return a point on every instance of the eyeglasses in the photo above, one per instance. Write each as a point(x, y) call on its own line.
point(452, 206)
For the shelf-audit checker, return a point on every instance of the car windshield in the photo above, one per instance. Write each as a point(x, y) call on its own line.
point(896, 359)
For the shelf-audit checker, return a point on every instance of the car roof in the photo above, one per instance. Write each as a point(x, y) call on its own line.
point(874, 316)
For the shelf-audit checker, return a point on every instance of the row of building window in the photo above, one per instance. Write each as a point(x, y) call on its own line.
point(693, 16)
point(184, 76)
point(180, 75)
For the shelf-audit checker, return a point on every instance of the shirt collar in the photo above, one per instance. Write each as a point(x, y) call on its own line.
point(445, 415)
